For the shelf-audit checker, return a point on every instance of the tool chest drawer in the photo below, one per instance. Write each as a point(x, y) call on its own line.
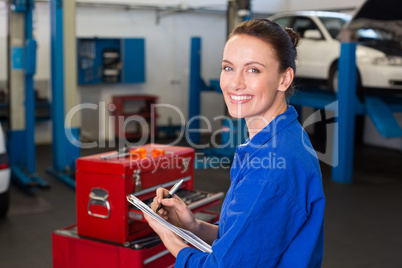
point(71, 250)
point(197, 201)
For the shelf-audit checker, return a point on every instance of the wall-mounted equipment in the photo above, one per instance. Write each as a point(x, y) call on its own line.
point(109, 60)
point(111, 65)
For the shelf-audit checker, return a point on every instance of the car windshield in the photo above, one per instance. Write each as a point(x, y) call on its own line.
point(333, 25)
point(374, 34)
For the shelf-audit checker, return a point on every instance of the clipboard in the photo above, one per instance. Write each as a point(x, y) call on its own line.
point(186, 235)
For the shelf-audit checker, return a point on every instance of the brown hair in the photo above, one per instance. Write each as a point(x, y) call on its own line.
point(283, 40)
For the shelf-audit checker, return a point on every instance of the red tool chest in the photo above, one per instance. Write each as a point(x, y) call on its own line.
point(104, 180)
point(72, 251)
point(112, 233)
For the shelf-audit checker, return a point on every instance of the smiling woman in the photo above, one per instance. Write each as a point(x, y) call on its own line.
point(251, 82)
point(254, 82)
point(273, 212)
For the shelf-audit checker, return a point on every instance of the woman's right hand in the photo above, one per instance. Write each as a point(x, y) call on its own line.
point(174, 210)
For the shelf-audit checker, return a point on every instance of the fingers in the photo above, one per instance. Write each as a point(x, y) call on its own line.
point(153, 223)
point(154, 203)
point(175, 203)
point(161, 193)
point(176, 197)
point(161, 212)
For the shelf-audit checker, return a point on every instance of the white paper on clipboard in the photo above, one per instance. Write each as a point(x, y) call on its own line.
point(186, 235)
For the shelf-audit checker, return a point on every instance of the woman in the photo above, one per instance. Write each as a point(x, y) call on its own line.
point(273, 212)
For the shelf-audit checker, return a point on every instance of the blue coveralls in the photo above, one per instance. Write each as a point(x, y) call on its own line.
point(273, 213)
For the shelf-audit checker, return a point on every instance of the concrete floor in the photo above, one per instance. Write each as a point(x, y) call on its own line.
point(362, 223)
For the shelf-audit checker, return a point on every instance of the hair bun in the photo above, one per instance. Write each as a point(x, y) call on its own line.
point(294, 36)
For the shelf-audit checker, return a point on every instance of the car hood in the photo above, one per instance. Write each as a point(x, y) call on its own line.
point(390, 48)
point(382, 10)
point(381, 14)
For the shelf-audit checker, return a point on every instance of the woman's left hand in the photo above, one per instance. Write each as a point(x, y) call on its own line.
point(171, 241)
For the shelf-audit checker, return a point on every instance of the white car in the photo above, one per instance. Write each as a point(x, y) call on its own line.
point(378, 53)
point(5, 176)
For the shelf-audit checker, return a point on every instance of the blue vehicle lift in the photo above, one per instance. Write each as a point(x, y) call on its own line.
point(380, 110)
point(65, 146)
point(22, 67)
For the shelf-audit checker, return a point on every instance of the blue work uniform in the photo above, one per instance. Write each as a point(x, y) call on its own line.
point(273, 213)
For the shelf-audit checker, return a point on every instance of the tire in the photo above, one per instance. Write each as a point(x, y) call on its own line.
point(4, 203)
point(333, 80)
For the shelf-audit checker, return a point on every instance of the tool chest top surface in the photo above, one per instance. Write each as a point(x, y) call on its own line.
point(171, 158)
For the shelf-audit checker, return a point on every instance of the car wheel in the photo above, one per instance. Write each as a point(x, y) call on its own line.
point(4, 202)
point(333, 80)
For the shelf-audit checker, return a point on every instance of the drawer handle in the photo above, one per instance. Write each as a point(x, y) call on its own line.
point(137, 180)
point(98, 196)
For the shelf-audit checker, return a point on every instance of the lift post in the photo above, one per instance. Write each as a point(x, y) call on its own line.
point(345, 129)
point(65, 146)
point(22, 68)
point(196, 86)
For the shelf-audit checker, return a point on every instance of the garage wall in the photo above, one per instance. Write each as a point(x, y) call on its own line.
point(167, 58)
point(258, 6)
point(324, 5)
point(167, 38)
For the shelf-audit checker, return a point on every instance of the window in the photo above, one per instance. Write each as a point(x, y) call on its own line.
point(373, 34)
point(333, 25)
point(301, 24)
point(284, 22)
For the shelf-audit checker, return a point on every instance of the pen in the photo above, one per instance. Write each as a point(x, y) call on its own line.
point(171, 193)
